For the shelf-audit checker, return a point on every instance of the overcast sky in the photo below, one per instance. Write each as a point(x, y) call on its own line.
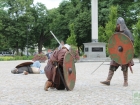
point(49, 3)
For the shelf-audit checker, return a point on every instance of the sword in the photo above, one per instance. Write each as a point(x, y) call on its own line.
point(62, 78)
point(55, 37)
point(130, 68)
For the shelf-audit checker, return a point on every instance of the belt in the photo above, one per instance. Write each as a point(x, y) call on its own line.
point(55, 63)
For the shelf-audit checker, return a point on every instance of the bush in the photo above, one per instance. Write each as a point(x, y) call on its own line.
point(74, 52)
point(9, 58)
point(40, 57)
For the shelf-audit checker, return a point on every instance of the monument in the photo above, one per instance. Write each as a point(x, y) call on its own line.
point(94, 50)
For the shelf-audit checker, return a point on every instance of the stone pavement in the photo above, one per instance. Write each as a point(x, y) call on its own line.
point(18, 89)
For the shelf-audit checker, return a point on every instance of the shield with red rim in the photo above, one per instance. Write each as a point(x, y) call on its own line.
point(69, 71)
point(120, 48)
point(24, 64)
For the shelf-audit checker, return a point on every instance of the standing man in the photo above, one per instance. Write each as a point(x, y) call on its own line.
point(120, 27)
point(56, 60)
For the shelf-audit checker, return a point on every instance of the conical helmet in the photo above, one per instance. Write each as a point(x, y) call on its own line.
point(122, 24)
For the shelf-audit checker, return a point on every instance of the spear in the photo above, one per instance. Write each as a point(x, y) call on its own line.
point(97, 67)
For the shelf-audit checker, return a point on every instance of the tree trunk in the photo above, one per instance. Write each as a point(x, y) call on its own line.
point(40, 46)
point(40, 42)
point(17, 48)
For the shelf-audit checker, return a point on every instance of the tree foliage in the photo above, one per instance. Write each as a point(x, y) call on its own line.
point(137, 37)
point(105, 33)
point(108, 31)
point(72, 38)
point(16, 17)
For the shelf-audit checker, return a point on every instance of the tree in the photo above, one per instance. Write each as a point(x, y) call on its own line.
point(105, 33)
point(60, 21)
point(40, 29)
point(72, 38)
point(13, 25)
point(4, 41)
point(103, 11)
point(21, 14)
point(110, 26)
point(126, 9)
point(137, 37)
point(81, 10)
point(69, 12)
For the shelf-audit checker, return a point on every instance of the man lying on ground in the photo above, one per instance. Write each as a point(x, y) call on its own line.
point(28, 68)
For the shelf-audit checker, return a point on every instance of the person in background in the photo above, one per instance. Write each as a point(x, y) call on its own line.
point(49, 54)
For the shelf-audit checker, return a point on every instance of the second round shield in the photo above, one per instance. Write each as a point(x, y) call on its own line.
point(24, 64)
point(120, 48)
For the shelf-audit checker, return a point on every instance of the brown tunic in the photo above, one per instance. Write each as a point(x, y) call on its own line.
point(113, 63)
point(50, 69)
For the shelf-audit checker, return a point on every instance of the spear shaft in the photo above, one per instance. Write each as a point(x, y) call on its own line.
point(97, 67)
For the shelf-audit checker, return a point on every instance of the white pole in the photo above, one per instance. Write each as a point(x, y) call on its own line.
point(94, 19)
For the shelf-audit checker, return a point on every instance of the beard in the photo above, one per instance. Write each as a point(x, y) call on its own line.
point(117, 28)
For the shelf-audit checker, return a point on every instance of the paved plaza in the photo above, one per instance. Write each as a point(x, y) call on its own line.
point(19, 89)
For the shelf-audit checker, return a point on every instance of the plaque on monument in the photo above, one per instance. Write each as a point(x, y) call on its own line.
point(97, 49)
point(86, 49)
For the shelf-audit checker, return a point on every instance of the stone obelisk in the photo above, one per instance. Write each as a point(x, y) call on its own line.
point(94, 20)
point(94, 49)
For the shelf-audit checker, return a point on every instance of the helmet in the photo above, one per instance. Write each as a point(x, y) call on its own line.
point(14, 71)
point(67, 46)
point(121, 22)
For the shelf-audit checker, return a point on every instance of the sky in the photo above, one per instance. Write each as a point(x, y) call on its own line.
point(49, 3)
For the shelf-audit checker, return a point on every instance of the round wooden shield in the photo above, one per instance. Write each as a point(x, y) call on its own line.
point(24, 64)
point(120, 48)
point(69, 71)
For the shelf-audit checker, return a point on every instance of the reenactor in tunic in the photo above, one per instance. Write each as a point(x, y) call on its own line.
point(120, 27)
point(51, 72)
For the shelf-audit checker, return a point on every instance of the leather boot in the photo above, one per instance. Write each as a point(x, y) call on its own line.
point(47, 85)
point(107, 82)
point(125, 75)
